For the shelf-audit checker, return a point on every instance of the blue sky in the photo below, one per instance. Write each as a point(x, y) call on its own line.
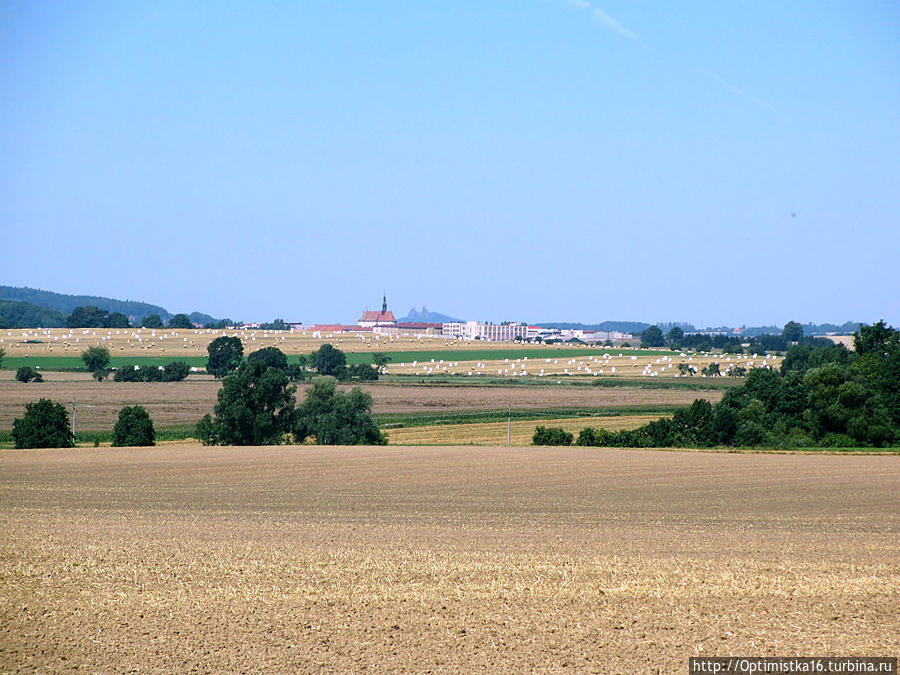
point(717, 163)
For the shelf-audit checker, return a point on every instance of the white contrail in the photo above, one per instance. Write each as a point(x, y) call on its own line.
point(602, 17)
point(733, 88)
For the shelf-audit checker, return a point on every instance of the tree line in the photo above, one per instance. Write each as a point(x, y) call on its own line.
point(823, 396)
point(677, 339)
point(255, 405)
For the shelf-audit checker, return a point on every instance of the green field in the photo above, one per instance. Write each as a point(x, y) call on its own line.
point(74, 363)
point(497, 354)
point(434, 418)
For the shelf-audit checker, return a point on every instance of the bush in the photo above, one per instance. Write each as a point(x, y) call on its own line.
point(172, 372)
point(28, 374)
point(96, 359)
point(133, 428)
point(551, 436)
point(45, 425)
point(360, 371)
point(598, 438)
point(175, 371)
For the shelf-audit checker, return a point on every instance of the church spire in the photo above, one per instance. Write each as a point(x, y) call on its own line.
point(384, 304)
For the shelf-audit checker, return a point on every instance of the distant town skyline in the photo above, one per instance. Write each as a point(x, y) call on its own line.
point(719, 164)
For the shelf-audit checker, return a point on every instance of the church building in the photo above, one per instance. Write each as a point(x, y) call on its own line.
point(373, 318)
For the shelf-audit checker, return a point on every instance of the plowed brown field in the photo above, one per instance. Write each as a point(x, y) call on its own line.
point(310, 559)
point(186, 402)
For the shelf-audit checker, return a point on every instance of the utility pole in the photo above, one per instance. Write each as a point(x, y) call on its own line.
point(74, 419)
point(508, 422)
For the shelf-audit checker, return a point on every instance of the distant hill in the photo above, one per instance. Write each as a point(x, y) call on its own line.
point(45, 307)
point(633, 327)
point(66, 303)
point(424, 316)
point(201, 318)
point(15, 314)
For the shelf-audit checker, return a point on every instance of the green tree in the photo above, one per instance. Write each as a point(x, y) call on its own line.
point(45, 425)
point(152, 321)
point(792, 331)
point(225, 355)
point(116, 320)
point(652, 337)
point(551, 436)
point(712, 370)
point(2, 354)
point(685, 369)
point(28, 374)
point(133, 428)
point(675, 336)
point(381, 359)
point(327, 360)
point(255, 407)
point(271, 357)
point(86, 317)
point(336, 418)
point(96, 360)
point(738, 371)
point(180, 321)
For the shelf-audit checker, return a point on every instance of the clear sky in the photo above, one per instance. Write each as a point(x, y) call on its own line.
point(711, 162)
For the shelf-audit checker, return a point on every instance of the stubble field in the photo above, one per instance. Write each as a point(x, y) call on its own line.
point(173, 403)
point(311, 559)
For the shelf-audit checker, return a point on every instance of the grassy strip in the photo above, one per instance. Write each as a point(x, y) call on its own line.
point(398, 420)
point(75, 364)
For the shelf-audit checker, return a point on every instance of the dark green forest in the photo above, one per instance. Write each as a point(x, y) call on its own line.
point(14, 314)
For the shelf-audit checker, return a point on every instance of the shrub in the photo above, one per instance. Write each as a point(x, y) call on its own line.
point(28, 374)
point(360, 371)
point(133, 428)
point(45, 425)
point(598, 438)
point(96, 358)
point(175, 371)
point(551, 436)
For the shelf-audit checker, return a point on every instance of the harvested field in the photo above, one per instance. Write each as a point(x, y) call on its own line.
point(185, 343)
point(318, 559)
point(520, 432)
point(171, 403)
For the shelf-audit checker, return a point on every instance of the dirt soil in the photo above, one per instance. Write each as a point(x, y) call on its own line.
point(494, 560)
point(171, 403)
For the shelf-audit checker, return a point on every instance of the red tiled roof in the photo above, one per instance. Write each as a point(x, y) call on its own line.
point(375, 315)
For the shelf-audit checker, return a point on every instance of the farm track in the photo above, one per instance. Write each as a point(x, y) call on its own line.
point(173, 403)
point(310, 559)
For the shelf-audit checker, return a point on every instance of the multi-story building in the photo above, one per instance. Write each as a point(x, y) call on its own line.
point(494, 332)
